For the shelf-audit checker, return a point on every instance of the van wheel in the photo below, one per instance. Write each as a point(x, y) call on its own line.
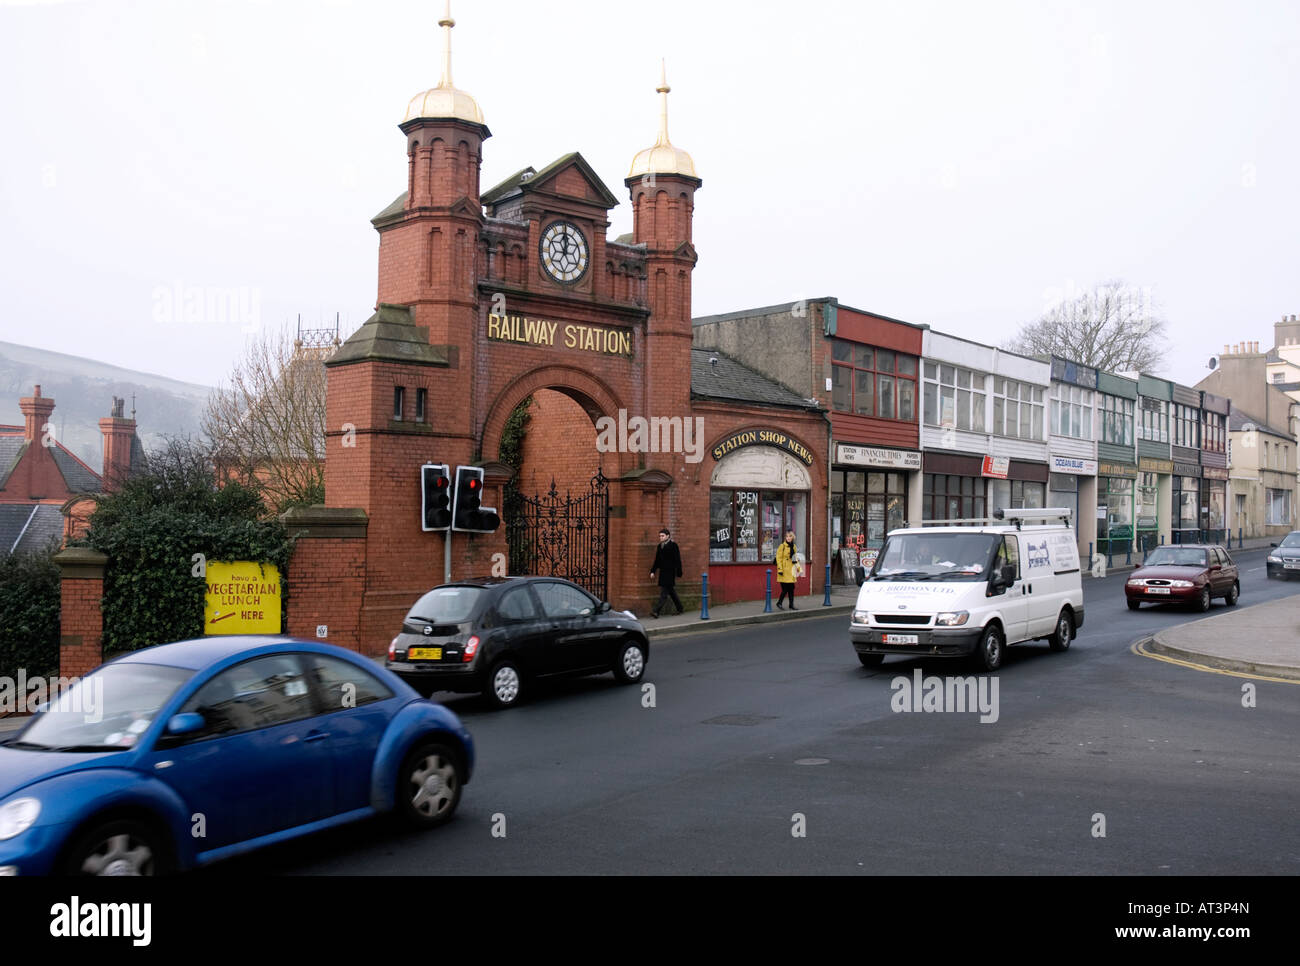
point(871, 660)
point(1060, 641)
point(989, 654)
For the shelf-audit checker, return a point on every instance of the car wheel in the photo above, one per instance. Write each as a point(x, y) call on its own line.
point(428, 786)
point(989, 653)
point(122, 847)
point(1203, 601)
point(1134, 604)
point(871, 660)
point(1233, 594)
point(630, 666)
point(1060, 641)
point(505, 685)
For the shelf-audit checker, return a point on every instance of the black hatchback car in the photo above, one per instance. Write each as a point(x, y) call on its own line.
point(495, 635)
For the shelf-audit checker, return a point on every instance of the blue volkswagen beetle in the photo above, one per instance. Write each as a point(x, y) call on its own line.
point(182, 754)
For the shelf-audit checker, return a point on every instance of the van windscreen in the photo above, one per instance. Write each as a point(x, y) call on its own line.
point(935, 556)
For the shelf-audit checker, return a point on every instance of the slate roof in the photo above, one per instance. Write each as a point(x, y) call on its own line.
point(11, 448)
point(29, 527)
point(730, 379)
point(79, 477)
point(1237, 422)
point(390, 335)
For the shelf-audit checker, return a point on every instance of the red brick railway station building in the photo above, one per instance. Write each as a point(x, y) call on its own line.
point(488, 300)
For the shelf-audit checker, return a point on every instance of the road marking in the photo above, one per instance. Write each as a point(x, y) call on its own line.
point(1137, 649)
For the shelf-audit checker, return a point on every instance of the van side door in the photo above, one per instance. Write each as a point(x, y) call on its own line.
point(1012, 601)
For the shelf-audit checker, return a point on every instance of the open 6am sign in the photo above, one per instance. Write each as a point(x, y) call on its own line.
point(243, 597)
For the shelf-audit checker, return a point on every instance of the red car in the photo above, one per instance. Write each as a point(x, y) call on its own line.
point(1189, 573)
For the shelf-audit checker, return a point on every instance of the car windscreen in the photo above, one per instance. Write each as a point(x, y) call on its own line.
point(446, 605)
point(935, 556)
point(104, 711)
point(1175, 557)
point(1291, 540)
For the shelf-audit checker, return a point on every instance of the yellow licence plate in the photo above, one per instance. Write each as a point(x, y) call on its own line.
point(424, 654)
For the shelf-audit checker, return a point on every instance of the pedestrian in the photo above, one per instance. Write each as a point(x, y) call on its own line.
point(786, 564)
point(668, 562)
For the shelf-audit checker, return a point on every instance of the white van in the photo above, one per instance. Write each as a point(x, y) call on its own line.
point(950, 591)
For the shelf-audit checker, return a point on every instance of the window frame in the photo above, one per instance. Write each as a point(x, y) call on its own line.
point(853, 370)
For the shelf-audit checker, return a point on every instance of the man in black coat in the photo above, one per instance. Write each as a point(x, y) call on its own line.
point(668, 562)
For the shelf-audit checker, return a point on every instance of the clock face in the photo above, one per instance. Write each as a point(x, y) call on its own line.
point(564, 252)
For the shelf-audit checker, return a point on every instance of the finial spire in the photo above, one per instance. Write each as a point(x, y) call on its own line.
point(446, 23)
point(663, 90)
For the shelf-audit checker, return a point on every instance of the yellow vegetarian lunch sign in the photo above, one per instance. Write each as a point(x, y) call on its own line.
point(243, 598)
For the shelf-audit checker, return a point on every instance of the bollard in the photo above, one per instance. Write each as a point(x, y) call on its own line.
point(1239, 538)
point(827, 601)
point(1128, 559)
point(767, 599)
point(1089, 553)
point(1110, 554)
point(704, 598)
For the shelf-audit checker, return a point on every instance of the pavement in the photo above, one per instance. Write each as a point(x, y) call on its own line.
point(1263, 639)
point(751, 612)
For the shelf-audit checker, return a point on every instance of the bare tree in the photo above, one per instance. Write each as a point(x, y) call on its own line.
point(1114, 327)
point(268, 424)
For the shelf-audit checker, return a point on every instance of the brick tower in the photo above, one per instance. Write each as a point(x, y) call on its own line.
point(398, 387)
point(662, 182)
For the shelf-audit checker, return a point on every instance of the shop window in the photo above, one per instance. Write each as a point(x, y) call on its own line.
point(746, 526)
point(1071, 411)
point(952, 497)
point(1017, 409)
point(872, 382)
point(1016, 495)
point(1116, 420)
point(954, 397)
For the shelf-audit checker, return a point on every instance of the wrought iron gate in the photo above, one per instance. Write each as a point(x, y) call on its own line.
point(562, 536)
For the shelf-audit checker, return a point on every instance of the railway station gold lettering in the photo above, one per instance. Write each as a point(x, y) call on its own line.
point(542, 332)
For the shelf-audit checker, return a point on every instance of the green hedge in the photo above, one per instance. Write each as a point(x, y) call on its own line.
point(151, 530)
point(29, 614)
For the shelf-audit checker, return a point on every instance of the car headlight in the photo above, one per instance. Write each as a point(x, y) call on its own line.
point(1272, 559)
point(17, 817)
point(1181, 583)
point(952, 618)
point(1136, 581)
point(861, 617)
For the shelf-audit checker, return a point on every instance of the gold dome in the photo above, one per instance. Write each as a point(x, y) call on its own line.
point(662, 157)
point(445, 100)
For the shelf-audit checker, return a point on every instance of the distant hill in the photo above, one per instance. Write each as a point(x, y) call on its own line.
point(83, 392)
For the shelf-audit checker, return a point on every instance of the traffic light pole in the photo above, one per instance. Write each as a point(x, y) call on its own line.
point(446, 554)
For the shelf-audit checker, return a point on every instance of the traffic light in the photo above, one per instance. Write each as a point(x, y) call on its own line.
point(468, 515)
point(435, 496)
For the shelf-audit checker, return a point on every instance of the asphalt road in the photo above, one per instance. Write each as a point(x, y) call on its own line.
point(755, 726)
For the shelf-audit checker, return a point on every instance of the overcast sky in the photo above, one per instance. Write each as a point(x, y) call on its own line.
point(950, 163)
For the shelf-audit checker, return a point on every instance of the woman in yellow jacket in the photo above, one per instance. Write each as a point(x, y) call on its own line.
point(788, 569)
